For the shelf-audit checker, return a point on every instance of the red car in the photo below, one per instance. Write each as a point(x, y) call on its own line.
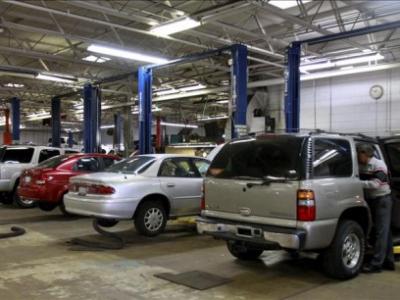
point(47, 183)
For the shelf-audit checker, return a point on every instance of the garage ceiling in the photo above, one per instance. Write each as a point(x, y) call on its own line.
point(52, 37)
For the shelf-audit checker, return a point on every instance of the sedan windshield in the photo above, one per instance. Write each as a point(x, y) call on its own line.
point(130, 165)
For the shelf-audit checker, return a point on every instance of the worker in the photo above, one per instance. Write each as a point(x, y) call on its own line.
point(375, 180)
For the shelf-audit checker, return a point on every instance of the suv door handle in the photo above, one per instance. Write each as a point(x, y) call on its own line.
point(170, 184)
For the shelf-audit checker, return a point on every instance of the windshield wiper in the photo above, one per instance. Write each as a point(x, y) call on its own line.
point(267, 180)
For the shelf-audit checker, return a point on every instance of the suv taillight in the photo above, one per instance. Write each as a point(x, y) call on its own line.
point(203, 198)
point(305, 205)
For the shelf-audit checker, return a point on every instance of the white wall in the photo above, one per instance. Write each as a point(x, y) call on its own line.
point(343, 103)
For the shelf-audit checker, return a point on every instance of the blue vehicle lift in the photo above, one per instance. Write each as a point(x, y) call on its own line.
point(118, 128)
point(91, 118)
point(292, 74)
point(145, 76)
point(56, 122)
point(16, 115)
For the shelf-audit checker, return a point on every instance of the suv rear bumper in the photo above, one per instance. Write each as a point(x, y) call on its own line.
point(268, 237)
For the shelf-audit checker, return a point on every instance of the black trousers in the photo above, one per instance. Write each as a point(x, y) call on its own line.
point(381, 210)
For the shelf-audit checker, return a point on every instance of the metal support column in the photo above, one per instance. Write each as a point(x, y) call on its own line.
point(118, 123)
point(292, 88)
point(70, 139)
point(145, 117)
point(92, 118)
point(15, 108)
point(56, 122)
point(239, 89)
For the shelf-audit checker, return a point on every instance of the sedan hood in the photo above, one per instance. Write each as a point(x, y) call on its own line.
point(107, 177)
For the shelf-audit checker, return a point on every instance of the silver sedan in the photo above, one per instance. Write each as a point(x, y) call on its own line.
point(147, 188)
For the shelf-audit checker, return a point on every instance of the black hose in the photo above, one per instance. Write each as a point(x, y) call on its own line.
point(117, 242)
point(15, 231)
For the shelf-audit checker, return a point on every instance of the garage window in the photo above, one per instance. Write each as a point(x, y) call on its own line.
point(332, 158)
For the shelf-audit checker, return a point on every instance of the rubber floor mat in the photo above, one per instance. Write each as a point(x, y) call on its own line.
point(195, 279)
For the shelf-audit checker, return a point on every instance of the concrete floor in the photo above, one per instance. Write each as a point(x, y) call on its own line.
point(41, 265)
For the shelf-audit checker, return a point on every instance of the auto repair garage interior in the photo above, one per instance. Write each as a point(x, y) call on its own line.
point(112, 111)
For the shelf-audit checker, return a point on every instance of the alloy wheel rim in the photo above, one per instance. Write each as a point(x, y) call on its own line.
point(351, 250)
point(153, 219)
point(26, 201)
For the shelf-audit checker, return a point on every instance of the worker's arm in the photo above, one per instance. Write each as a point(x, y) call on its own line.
point(377, 179)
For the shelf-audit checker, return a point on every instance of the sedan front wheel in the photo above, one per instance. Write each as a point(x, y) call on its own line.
point(150, 218)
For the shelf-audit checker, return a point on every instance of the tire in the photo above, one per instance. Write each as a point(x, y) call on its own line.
point(242, 251)
point(45, 206)
point(6, 198)
point(17, 200)
point(107, 222)
point(62, 208)
point(150, 218)
point(344, 258)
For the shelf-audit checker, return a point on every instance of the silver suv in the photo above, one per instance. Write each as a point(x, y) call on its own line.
point(295, 192)
point(16, 158)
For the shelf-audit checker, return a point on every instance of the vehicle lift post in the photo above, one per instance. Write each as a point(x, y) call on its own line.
point(15, 114)
point(239, 96)
point(91, 118)
point(55, 122)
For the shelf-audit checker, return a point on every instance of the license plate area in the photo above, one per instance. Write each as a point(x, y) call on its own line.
point(248, 231)
point(82, 190)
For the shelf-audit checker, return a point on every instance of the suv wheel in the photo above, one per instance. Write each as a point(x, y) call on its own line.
point(344, 258)
point(242, 251)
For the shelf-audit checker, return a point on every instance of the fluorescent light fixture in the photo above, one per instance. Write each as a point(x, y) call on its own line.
point(347, 68)
point(179, 125)
point(14, 85)
point(342, 63)
point(192, 88)
point(313, 67)
point(53, 78)
point(284, 4)
point(135, 109)
point(107, 126)
point(223, 101)
point(359, 60)
point(39, 116)
point(174, 26)
point(126, 54)
point(166, 92)
point(205, 119)
point(93, 58)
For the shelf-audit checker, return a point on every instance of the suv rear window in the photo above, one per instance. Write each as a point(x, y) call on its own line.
point(276, 156)
point(18, 155)
point(45, 154)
